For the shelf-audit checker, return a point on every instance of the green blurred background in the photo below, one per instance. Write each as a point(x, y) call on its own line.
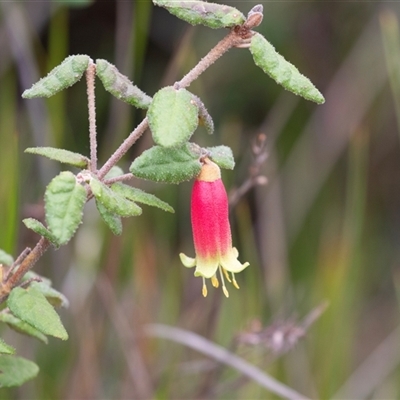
point(326, 228)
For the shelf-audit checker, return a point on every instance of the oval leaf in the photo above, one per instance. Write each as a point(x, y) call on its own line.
point(171, 165)
point(113, 201)
point(61, 155)
point(22, 327)
point(200, 12)
point(283, 72)
point(31, 306)
point(120, 86)
point(64, 201)
point(112, 221)
point(140, 196)
point(40, 229)
point(173, 116)
point(6, 348)
point(64, 75)
point(222, 156)
point(5, 258)
point(16, 370)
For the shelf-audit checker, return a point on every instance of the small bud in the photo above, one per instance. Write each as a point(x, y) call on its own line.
point(254, 17)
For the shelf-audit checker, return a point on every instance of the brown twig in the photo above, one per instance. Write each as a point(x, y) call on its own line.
point(260, 155)
point(28, 262)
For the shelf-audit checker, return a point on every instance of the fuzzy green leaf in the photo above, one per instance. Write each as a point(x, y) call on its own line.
point(120, 86)
point(37, 227)
point(6, 348)
point(64, 201)
point(113, 201)
point(170, 165)
point(22, 327)
point(61, 155)
point(283, 72)
point(5, 258)
point(200, 12)
point(64, 75)
point(31, 306)
point(16, 370)
point(113, 221)
point(222, 156)
point(140, 196)
point(173, 116)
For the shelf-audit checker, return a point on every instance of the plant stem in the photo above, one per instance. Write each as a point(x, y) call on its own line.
point(125, 146)
point(90, 83)
point(120, 178)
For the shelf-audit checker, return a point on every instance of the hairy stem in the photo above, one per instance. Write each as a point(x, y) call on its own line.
point(90, 83)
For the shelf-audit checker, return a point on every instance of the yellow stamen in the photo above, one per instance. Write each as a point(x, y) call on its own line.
point(224, 289)
point(226, 274)
point(204, 290)
point(214, 281)
point(234, 281)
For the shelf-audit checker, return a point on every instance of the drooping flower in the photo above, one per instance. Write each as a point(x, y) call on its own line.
point(211, 231)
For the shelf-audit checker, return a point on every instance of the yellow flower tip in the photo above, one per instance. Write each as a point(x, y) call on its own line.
point(210, 171)
point(226, 274)
point(225, 290)
point(204, 290)
point(234, 282)
point(214, 281)
point(188, 262)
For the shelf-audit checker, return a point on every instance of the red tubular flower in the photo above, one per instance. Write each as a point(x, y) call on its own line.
point(211, 230)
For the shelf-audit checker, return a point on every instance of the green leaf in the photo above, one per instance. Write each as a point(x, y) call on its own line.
point(140, 196)
point(22, 327)
point(173, 116)
point(5, 258)
point(16, 370)
point(200, 12)
point(113, 201)
point(6, 348)
point(64, 201)
point(171, 165)
point(53, 296)
point(222, 156)
point(113, 221)
point(31, 306)
point(120, 86)
point(283, 72)
point(40, 229)
point(64, 75)
point(61, 155)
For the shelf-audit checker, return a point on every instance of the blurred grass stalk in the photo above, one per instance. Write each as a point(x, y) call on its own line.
point(9, 163)
point(391, 43)
point(339, 278)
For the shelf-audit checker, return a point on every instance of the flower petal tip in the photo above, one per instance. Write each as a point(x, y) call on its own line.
point(188, 262)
